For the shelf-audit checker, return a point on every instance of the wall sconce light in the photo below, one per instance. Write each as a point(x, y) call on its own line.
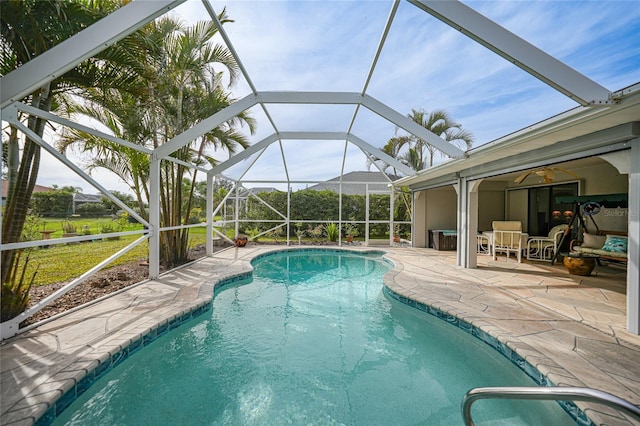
point(568, 214)
point(556, 214)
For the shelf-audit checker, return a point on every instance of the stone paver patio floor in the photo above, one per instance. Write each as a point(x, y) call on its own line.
point(571, 328)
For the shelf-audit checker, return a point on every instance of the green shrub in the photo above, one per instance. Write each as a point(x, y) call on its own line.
point(31, 228)
point(315, 232)
point(69, 227)
point(91, 209)
point(252, 233)
point(15, 292)
point(332, 231)
point(108, 228)
point(351, 229)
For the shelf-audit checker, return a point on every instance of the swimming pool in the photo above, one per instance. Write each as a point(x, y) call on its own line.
point(312, 339)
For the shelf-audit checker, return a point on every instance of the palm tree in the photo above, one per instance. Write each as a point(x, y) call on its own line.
point(183, 87)
point(29, 28)
point(440, 123)
point(392, 148)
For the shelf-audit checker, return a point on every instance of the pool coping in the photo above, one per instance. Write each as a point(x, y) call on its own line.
point(65, 382)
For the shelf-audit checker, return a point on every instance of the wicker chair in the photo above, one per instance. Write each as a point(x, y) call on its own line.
point(545, 248)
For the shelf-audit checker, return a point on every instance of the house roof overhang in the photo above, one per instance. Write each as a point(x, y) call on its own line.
point(580, 130)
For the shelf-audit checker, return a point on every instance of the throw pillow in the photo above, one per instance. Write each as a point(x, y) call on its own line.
point(593, 241)
point(616, 243)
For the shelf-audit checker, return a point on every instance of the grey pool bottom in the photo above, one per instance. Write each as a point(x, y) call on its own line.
point(117, 358)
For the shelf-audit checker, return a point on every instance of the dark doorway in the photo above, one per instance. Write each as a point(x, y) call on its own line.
point(544, 212)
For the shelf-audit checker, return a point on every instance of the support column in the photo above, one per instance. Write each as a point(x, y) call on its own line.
point(472, 224)
point(236, 215)
point(392, 225)
point(633, 264)
point(288, 213)
point(467, 222)
point(461, 220)
point(209, 215)
point(154, 218)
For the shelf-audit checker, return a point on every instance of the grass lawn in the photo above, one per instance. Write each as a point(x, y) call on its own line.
point(64, 262)
point(83, 225)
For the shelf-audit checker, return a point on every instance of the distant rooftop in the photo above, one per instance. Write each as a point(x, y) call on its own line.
point(355, 183)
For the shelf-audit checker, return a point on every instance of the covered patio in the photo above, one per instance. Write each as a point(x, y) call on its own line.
point(491, 183)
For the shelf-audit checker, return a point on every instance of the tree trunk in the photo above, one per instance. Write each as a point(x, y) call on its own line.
point(20, 190)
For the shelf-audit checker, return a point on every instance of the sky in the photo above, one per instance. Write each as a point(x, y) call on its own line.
point(424, 64)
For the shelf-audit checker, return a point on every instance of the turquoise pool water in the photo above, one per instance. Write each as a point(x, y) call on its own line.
point(312, 339)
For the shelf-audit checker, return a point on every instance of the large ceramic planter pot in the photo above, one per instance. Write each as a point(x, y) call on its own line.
point(241, 240)
point(580, 265)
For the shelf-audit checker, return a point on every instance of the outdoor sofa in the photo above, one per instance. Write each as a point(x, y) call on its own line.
point(609, 245)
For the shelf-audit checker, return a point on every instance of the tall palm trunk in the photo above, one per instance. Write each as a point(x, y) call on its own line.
point(21, 188)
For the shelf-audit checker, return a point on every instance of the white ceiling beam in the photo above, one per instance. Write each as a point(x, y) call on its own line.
point(411, 126)
point(381, 155)
point(232, 49)
point(370, 103)
point(309, 97)
point(264, 143)
point(383, 39)
point(61, 58)
point(205, 126)
point(324, 136)
point(517, 51)
point(68, 123)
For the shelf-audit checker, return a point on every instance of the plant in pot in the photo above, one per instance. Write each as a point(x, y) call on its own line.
point(396, 233)
point(69, 229)
point(299, 232)
point(240, 240)
point(350, 231)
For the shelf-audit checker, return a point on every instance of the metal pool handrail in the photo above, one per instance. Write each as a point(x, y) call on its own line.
point(552, 393)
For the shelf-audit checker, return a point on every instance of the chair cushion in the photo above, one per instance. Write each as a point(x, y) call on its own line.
point(506, 225)
point(593, 241)
point(601, 252)
point(616, 243)
point(557, 229)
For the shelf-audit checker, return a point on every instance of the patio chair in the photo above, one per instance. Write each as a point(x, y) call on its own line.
point(507, 238)
point(544, 248)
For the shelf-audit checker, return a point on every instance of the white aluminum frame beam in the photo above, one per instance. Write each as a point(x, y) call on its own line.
point(411, 126)
point(376, 57)
point(517, 51)
point(334, 98)
point(68, 123)
point(633, 267)
point(264, 143)
point(44, 145)
point(253, 149)
point(319, 98)
point(380, 154)
point(205, 126)
point(61, 58)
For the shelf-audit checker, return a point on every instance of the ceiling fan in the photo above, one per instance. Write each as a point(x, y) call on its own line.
point(546, 173)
